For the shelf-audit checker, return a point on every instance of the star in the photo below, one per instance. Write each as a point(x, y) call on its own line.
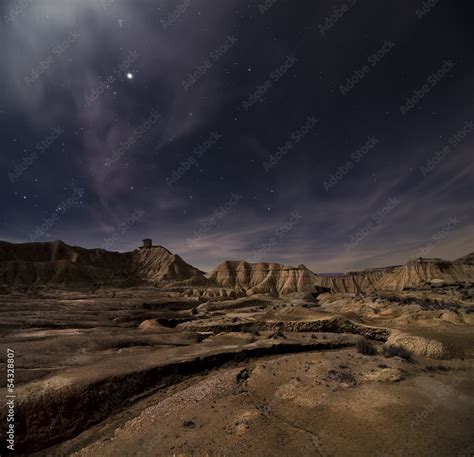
point(130, 75)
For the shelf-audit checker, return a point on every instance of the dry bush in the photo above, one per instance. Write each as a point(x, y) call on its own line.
point(396, 351)
point(365, 347)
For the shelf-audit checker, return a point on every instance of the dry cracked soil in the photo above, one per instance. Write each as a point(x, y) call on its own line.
point(139, 372)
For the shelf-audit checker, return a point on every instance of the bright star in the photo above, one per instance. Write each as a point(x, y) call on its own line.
point(130, 75)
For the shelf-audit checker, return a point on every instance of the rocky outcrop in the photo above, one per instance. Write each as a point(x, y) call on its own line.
point(158, 264)
point(420, 271)
point(467, 264)
point(263, 278)
point(413, 274)
point(418, 345)
point(466, 260)
point(332, 324)
point(355, 281)
point(57, 263)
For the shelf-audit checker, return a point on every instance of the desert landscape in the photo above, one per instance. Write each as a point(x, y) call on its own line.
point(141, 354)
point(237, 228)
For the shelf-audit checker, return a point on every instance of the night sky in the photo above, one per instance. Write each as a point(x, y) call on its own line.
point(337, 134)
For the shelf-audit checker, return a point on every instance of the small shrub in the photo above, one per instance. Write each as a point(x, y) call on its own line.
point(253, 329)
point(436, 368)
point(396, 351)
point(365, 347)
point(344, 377)
point(188, 424)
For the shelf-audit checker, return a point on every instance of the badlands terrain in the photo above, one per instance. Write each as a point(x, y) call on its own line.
point(141, 354)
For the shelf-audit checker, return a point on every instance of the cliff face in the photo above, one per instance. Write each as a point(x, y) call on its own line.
point(467, 264)
point(157, 264)
point(412, 274)
point(58, 263)
point(269, 278)
point(355, 281)
point(419, 271)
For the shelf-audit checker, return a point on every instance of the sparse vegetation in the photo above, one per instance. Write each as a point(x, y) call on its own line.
point(425, 303)
point(365, 347)
point(436, 368)
point(344, 377)
point(396, 351)
point(252, 329)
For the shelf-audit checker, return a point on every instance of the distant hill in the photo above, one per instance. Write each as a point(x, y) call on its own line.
point(56, 263)
point(412, 274)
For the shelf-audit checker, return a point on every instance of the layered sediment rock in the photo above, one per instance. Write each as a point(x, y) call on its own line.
point(355, 281)
point(414, 273)
point(263, 278)
point(57, 263)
